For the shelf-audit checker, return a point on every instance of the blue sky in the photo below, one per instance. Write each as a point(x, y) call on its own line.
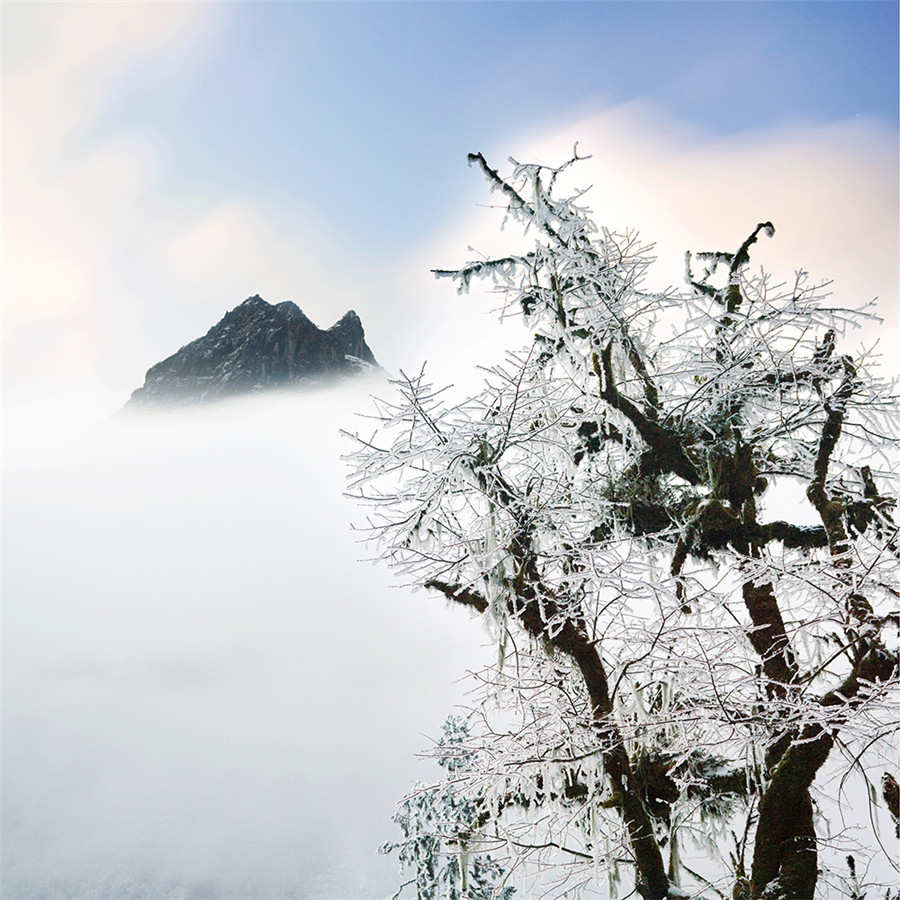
point(371, 107)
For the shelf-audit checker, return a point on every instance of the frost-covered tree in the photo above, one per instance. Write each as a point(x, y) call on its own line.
point(681, 651)
point(438, 824)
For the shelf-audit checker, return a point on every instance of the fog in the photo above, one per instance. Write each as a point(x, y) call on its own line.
point(206, 691)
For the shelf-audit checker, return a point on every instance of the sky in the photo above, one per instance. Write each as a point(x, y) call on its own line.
point(170, 589)
point(161, 162)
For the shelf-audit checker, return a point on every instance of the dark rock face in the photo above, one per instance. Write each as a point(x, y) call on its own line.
point(256, 346)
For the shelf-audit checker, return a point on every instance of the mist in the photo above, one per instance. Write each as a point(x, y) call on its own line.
point(207, 692)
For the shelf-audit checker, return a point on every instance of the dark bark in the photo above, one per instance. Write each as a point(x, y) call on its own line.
point(572, 640)
point(890, 791)
point(784, 857)
point(463, 596)
point(769, 637)
point(831, 511)
point(670, 454)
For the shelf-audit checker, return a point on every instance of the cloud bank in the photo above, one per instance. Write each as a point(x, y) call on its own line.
point(206, 692)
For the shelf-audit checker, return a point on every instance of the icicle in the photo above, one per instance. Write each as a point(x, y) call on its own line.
point(612, 872)
point(464, 869)
point(674, 854)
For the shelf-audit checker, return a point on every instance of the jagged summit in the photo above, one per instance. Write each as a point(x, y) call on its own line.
point(256, 346)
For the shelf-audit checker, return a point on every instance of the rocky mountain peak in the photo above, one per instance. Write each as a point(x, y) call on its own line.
point(256, 346)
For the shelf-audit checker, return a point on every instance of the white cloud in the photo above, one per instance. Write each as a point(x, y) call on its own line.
point(237, 248)
point(61, 61)
point(107, 271)
point(67, 199)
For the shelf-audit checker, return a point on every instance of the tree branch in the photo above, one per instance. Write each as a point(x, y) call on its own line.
point(493, 176)
point(769, 637)
point(742, 257)
point(830, 511)
point(463, 596)
point(670, 454)
point(804, 537)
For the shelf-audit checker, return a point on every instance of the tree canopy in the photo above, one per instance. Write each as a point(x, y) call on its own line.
point(673, 511)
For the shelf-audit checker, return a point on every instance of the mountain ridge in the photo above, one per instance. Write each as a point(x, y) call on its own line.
point(255, 346)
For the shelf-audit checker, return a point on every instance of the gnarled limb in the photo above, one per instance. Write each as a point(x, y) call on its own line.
point(785, 858)
point(804, 537)
point(463, 596)
point(742, 257)
point(651, 392)
point(830, 511)
point(670, 452)
point(769, 637)
point(516, 199)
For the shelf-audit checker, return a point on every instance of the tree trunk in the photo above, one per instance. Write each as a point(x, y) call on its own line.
point(785, 860)
point(652, 882)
